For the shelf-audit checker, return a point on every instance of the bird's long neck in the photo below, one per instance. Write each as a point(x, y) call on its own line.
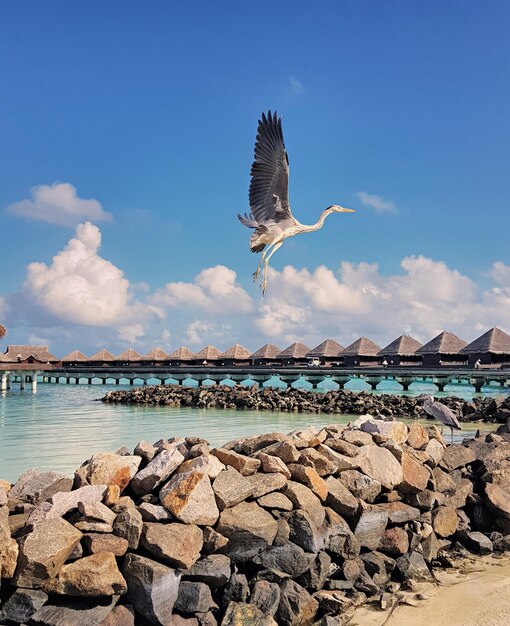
point(319, 223)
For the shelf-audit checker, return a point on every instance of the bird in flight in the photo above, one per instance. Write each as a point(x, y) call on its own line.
point(270, 215)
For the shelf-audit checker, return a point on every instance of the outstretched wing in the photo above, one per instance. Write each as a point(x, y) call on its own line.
point(269, 188)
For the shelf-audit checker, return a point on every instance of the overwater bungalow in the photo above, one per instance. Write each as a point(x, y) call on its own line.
point(295, 354)
point(402, 351)
point(328, 353)
point(102, 357)
point(181, 356)
point(362, 353)
point(235, 355)
point(129, 357)
point(492, 348)
point(207, 356)
point(444, 350)
point(74, 358)
point(156, 357)
point(29, 354)
point(267, 355)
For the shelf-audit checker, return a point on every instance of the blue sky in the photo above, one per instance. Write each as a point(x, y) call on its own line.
point(151, 109)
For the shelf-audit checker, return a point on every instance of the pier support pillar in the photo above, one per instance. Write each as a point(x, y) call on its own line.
point(89, 381)
point(22, 381)
point(68, 381)
point(477, 383)
point(34, 382)
point(3, 382)
point(131, 382)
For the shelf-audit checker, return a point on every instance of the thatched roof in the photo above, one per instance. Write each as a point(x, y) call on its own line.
point(269, 351)
point(74, 357)
point(296, 350)
point(103, 355)
point(156, 355)
point(182, 354)
point(444, 343)
point(209, 353)
point(21, 353)
point(328, 348)
point(362, 347)
point(237, 351)
point(129, 355)
point(494, 340)
point(3, 358)
point(402, 346)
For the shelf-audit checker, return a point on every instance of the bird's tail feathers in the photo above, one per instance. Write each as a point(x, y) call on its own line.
point(255, 244)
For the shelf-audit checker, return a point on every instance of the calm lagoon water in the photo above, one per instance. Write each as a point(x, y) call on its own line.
point(62, 425)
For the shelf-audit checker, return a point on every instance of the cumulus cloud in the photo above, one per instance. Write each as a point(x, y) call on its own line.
point(380, 205)
point(59, 203)
point(215, 289)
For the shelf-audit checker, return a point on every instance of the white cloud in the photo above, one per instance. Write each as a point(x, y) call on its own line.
point(214, 290)
point(60, 204)
point(196, 331)
point(380, 205)
point(296, 86)
point(131, 333)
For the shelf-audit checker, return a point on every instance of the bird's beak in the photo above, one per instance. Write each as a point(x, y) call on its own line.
point(347, 210)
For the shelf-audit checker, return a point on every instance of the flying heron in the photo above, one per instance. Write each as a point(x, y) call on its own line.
point(270, 214)
point(442, 413)
point(3, 331)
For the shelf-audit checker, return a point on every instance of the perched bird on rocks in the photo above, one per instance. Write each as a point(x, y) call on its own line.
point(441, 413)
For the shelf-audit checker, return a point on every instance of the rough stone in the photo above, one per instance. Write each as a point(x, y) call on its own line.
point(194, 597)
point(275, 501)
point(285, 450)
point(176, 544)
point(357, 437)
point(370, 526)
point(340, 498)
point(289, 558)
point(23, 604)
point(435, 451)
point(381, 465)
point(245, 465)
point(442, 481)
point(88, 525)
point(146, 450)
point(304, 531)
point(154, 513)
point(94, 575)
point(417, 437)
point(323, 465)
point(152, 588)
point(415, 475)
point(478, 543)
point(43, 552)
point(498, 500)
point(309, 477)
point(236, 590)
point(214, 570)
point(231, 487)
point(273, 464)
point(266, 483)
point(456, 456)
point(399, 512)
point(412, 566)
point(75, 611)
point(63, 502)
point(158, 470)
point(444, 521)
point(317, 574)
point(265, 596)
point(461, 494)
point(394, 541)
point(340, 461)
point(394, 430)
point(98, 542)
point(360, 485)
point(128, 525)
point(34, 486)
point(303, 498)
point(249, 528)
point(297, 607)
point(121, 615)
point(189, 495)
point(241, 614)
point(106, 469)
point(8, 547)
point(213, 541)
point(97, 511)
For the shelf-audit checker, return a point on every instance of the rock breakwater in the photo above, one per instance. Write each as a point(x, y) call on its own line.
point(293, 529)
point(303, 401)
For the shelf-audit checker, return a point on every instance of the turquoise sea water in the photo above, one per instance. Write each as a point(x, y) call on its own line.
point(62, 425)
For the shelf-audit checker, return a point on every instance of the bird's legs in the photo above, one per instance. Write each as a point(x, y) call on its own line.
point(257, 271)
point(452, 434)
point(276, 247)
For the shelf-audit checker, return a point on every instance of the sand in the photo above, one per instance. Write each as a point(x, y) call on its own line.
point(467, 597)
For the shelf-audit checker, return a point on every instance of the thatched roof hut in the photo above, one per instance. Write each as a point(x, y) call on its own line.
point(444, 349)
point(209, 353)
point(75, 357)
point(29, 354)
point(181, 354)
point(156, 355)
point(363, 351)
point(328, 348)
point(493, 348)
point(402, 351)
point(269, 351)
point(102, 356)
point(295, 353)
point(130, 356)
point(235, 353)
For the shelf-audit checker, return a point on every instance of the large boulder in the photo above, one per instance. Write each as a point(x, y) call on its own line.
point(178, 545)
point(370, 526)
point(297, 607)
point(34, 486)
point(189, 496)
point(242, 614)
point(245, 465)
point(231, 487)
point(8, 546)
point(75, 612)
point(158, 470)
point(380, 464)
point(108, 469)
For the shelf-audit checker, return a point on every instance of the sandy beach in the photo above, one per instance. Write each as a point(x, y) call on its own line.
point(476, 594)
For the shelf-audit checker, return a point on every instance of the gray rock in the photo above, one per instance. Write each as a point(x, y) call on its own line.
point(238, 614)
point(340, 498)
point(289, 558)
point(370, 526)
point(97, 511)
point(339, 539)
point(478, 543)
point(34, 486)
point(303, 498)
point(272, 464)
point(23, 604)
point(304, 532)
point(213, 541)
point(214, 570)
point(361, 486)
point(152, 588)
point(266, 483)
point(74, 612)
point(275, 500)
point(176, 544)
point(400, 513)
point(236, 590)
point(231, 488)
point(379, 566)
point(128, 525)
point(146, 450)
point(456, 456)
point(315, 577)
point(413, 566)
point(194, 597)
point(249, 528)
point(159, 469)
point(380, 464)
point(297, 607)
point(154, 513)
point(265, 596)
